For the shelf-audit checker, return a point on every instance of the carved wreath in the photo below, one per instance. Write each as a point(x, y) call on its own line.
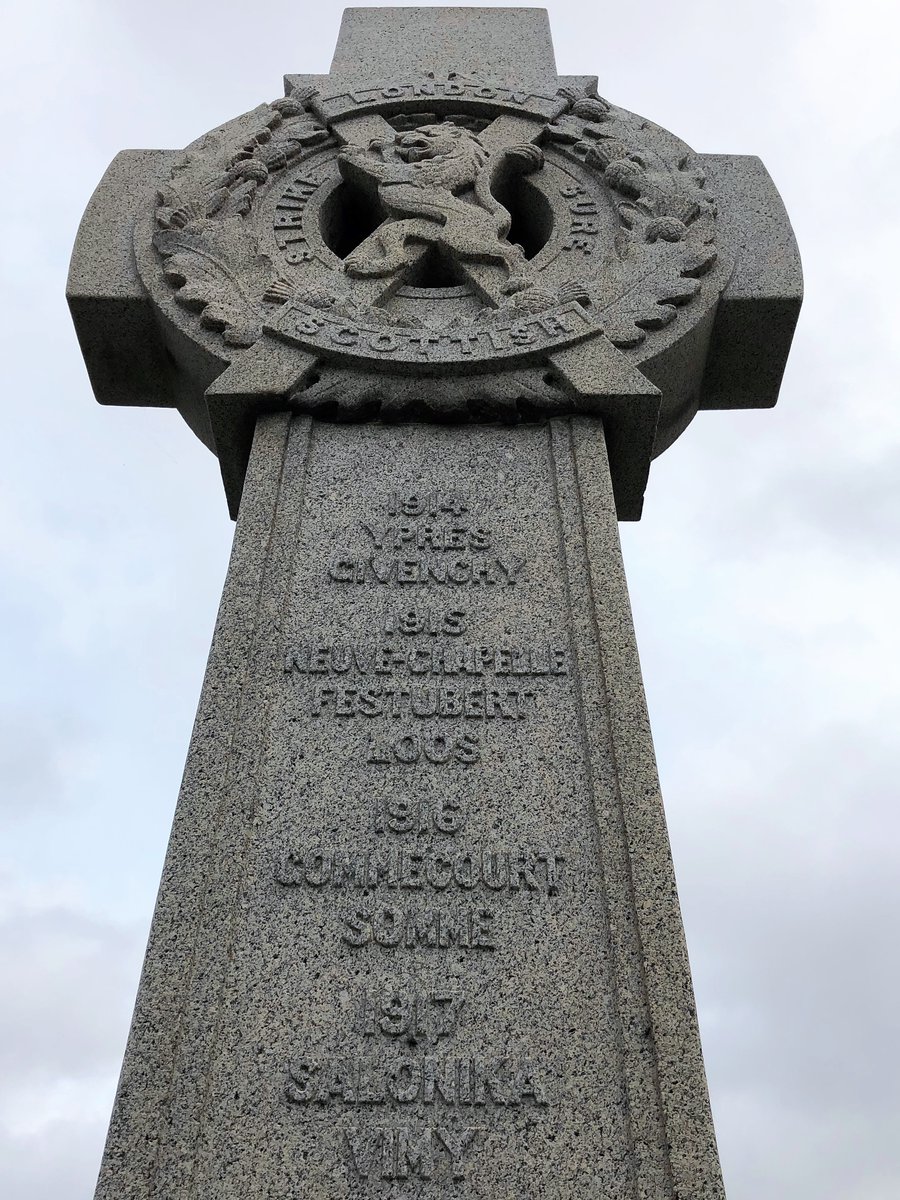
point(661, 202)
point(209, 254)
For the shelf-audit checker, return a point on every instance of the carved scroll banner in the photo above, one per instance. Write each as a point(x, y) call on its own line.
point(418, 933)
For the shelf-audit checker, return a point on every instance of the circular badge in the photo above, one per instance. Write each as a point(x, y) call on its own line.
point(434, 244)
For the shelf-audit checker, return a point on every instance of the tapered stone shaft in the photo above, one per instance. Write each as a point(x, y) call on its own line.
point(418, 921)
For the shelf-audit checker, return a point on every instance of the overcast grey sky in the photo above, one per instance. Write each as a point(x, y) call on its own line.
point(765, 579)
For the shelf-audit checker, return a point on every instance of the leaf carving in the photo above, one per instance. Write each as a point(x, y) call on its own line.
point(217, 269)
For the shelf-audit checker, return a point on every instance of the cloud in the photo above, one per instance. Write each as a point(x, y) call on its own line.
point(67, 981)
point(763, 576)
point(61, 1159)
point(34, 762)
point(64, 977)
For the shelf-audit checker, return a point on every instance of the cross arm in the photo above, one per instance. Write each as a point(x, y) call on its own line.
point(611, 387)
point(119, 338)
point(758, 310)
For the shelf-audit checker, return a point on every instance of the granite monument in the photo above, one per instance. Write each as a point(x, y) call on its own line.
point(435, 312)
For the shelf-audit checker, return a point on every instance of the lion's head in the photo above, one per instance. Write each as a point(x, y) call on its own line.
point(445, 140)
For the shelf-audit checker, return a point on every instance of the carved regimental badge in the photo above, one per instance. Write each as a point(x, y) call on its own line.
point(443, 248)
point(456, 228)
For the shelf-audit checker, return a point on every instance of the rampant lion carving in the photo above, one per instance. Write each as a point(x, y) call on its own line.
point(434, 183)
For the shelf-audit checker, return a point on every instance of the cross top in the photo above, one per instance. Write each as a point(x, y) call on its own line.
point(441, 229)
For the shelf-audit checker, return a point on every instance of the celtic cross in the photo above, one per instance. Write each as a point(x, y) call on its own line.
point(435, 313)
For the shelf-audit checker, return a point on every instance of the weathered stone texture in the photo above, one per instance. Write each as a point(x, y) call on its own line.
point(453, 930)
point(418, 931)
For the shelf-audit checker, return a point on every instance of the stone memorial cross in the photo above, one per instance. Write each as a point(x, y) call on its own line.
point(435, 312)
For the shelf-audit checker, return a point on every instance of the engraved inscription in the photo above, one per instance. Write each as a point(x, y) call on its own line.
point(432, 536)
point(584, 228)
point(479, 570)
point(432, 929)
point(406, 1154)
point(402, 814)
point(433, 551)
point(416, 1016)
point(288, 222)
point(474, 702)
point(319, 330)
point(443, 94)
point(432, 504)
point(463, 1081)
point(433, 870)
point(435, 748)
point(342, 658)
point(455, 87)
point(463, 699)
point(414, 621)
point(431, 690)
point(437, 869)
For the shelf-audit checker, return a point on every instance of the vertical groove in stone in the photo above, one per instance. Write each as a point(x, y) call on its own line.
point(641, 1095)
point(251, 745)
point(687, 1129)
